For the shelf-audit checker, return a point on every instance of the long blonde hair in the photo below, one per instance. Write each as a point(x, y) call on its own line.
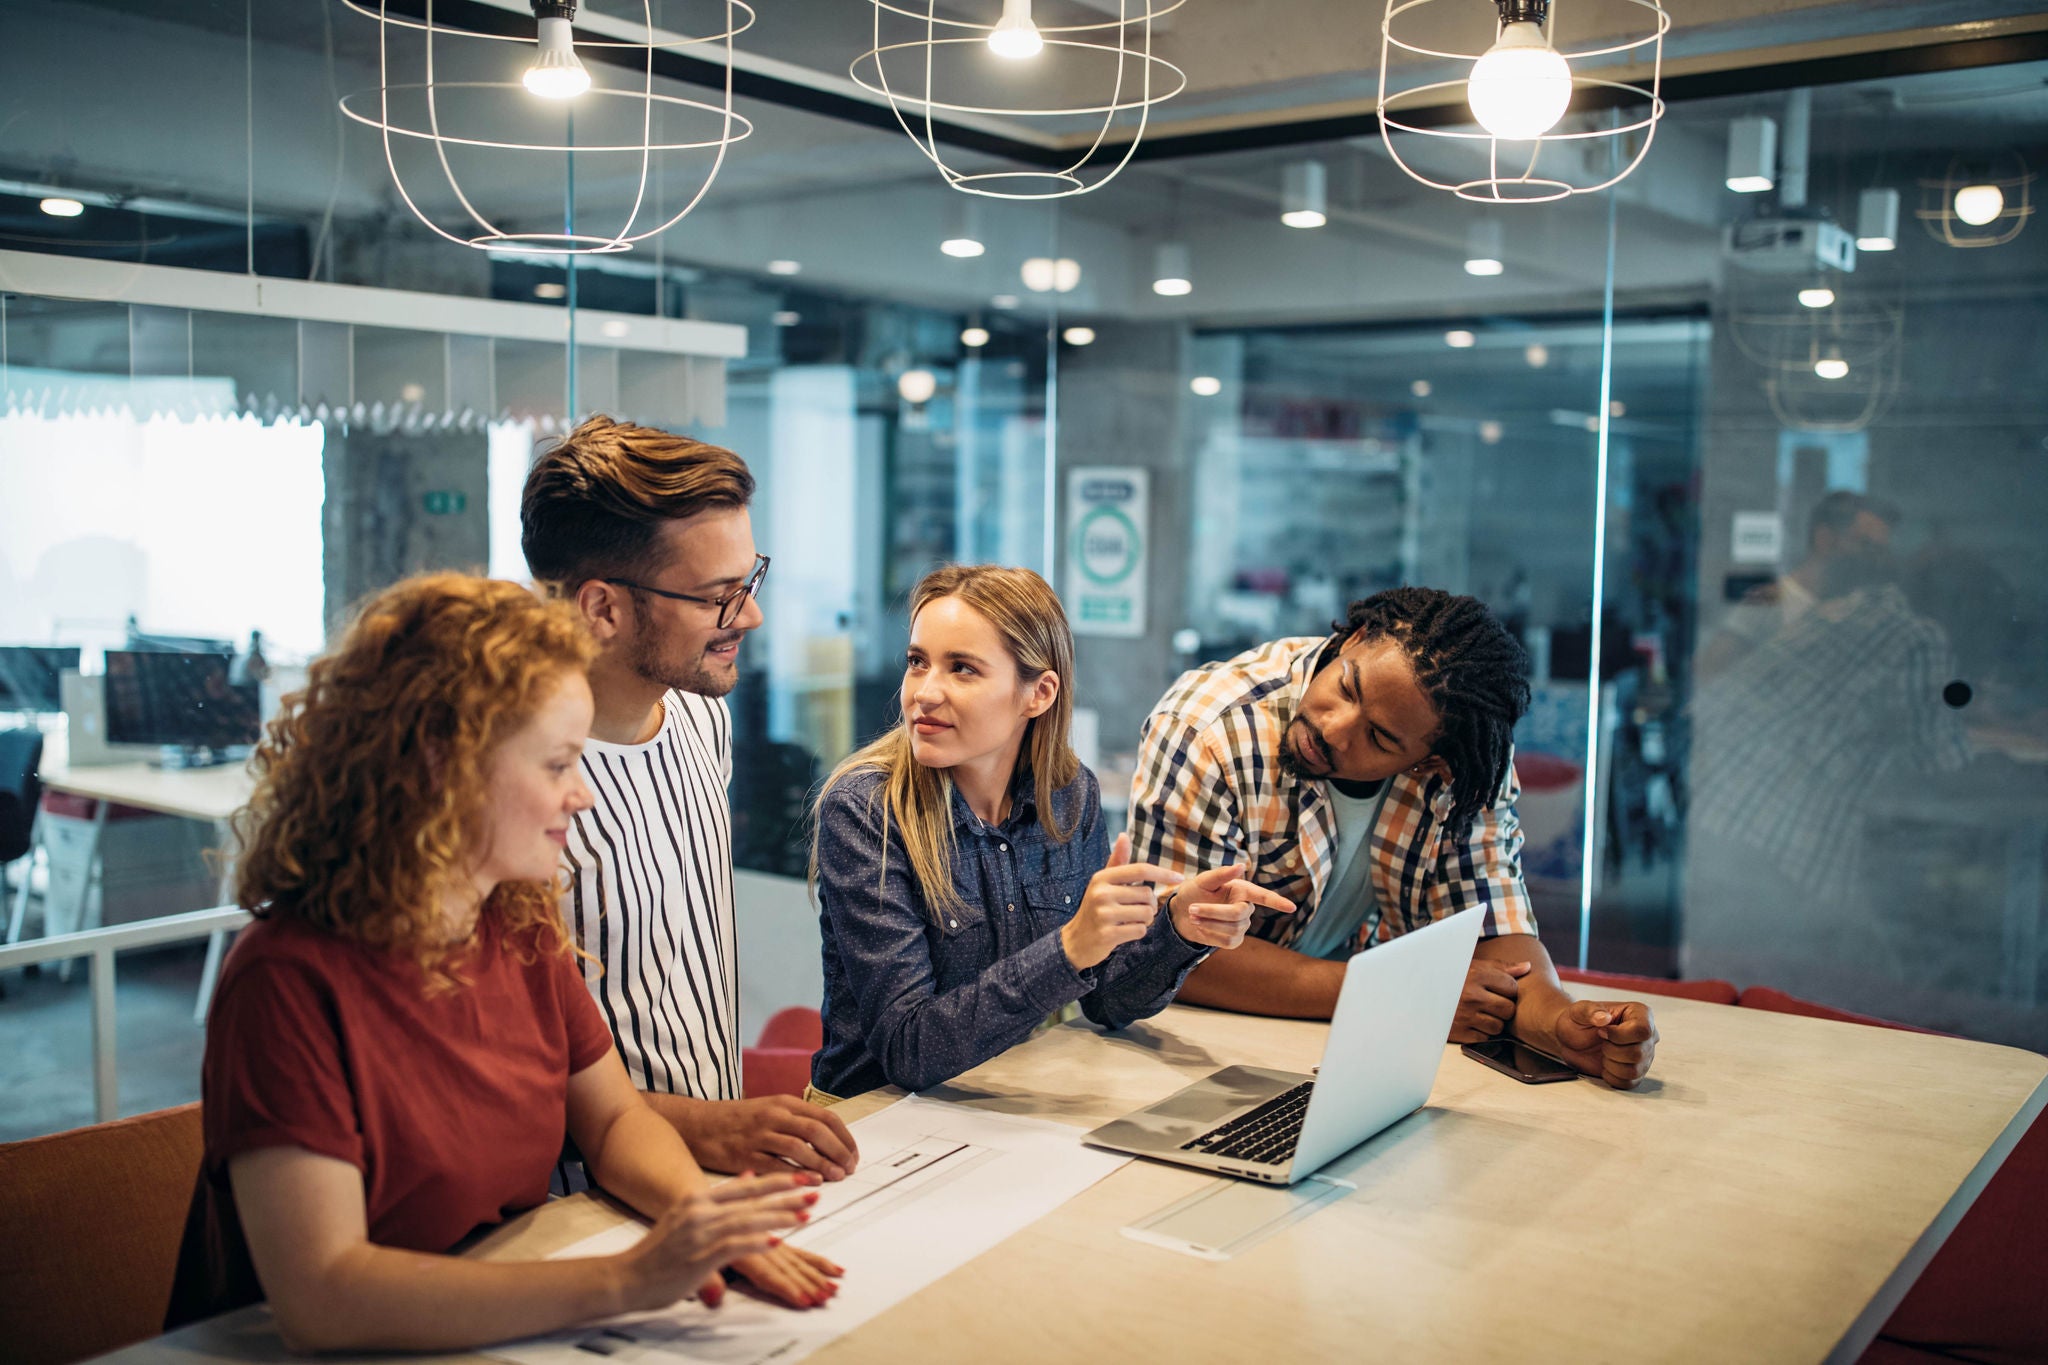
point(919, 800)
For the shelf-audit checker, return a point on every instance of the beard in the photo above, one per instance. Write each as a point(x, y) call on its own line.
point(696, 676)
point(1290, 762)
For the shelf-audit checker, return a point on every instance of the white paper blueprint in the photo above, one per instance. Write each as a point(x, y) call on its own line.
point(938, 1184)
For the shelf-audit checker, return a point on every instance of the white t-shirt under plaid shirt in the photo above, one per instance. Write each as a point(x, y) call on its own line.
point(650, 899)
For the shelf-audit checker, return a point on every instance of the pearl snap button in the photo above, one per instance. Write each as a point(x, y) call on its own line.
point(1005, 848)
point(952, 924)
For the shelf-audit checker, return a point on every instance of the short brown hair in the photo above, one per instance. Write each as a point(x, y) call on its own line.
point(594, 502)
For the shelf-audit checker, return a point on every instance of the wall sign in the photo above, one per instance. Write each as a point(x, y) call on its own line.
point(1759, 538)
point(1108, 535)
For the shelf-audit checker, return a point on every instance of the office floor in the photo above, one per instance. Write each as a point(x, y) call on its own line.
point(46, 1041)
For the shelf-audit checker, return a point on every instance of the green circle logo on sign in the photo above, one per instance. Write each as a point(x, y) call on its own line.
point(1106, 546)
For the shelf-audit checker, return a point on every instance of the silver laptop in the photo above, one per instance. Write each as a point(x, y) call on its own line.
point(1386, 1040)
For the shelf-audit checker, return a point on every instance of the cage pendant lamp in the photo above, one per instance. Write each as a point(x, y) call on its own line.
point(932, 65)
point(1980, 203)
point(1501, 132)
point(473, 157)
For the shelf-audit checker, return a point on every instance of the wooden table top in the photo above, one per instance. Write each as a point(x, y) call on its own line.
point(194, 793)
point(1769, 1194)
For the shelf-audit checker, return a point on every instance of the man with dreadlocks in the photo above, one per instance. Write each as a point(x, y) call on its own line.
point(1369, 777)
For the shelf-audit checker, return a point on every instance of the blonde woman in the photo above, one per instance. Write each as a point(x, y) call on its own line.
point(960, 859)
point(402, 1040)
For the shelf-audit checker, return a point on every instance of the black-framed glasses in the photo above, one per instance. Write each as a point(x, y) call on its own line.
point(729, 606)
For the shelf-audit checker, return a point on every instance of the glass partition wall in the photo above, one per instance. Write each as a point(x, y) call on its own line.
point(1806, 751)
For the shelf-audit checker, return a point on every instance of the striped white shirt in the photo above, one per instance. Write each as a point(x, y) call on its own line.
point(650, 899)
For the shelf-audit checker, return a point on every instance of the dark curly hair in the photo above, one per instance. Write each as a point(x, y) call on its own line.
point(1472, 671)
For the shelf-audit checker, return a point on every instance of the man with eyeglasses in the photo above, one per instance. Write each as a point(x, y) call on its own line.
point(648, 533)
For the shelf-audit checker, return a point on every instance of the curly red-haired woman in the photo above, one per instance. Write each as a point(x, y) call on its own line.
point(401, 1041)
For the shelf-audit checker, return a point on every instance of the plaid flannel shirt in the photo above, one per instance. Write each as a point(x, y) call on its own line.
point(1210, 791)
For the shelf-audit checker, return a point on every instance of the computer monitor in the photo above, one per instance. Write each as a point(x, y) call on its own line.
point(29, 676)
point(178, 644)
point(181, 699)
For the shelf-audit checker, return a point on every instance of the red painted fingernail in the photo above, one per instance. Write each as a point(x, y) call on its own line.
point(811, 1198)
point(802, 1217)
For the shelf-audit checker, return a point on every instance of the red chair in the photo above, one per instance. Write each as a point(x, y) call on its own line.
point(1969, 1304)
point(780, 1064)
point(1713, 990)
point(89, 1234)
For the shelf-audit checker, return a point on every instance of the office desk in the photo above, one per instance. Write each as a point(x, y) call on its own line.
point(194, 793)
point(1769, 1195)
point(211, 794)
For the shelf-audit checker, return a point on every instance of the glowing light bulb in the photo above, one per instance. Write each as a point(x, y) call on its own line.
point(1205, 386)
point(1421, 388)
point(59, 207)
point(1460, 339)
point(1490, 432)
point(917, 386)
point(557, 73)
point(1831, 365)
point(1520, 88)
point(1816, 298)
point(1079, 336)
point(974, 337)
point(963, 247)
point(1014, 35)
point(1978, 205)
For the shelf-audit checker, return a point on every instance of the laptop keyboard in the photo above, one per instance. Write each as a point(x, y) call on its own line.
point(1267, 1133)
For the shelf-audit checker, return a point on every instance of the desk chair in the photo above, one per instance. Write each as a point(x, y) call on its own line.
point(21, 794)
point(89, 1234)
point(780, 1063)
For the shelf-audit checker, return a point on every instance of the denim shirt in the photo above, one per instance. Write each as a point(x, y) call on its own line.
point(912, 999)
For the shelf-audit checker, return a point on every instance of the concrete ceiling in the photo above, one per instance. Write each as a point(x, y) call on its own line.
point(863, 210)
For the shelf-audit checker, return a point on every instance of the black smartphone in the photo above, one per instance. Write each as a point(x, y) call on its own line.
point(1518, 1059)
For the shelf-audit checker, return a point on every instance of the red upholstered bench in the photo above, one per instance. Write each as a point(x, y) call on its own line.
point(1711, 990)
point(780, 1064)
point(1980, 1298)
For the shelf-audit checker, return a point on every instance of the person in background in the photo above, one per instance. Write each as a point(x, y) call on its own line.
point(1848, 546)
point(963, 890)
point(647, 535)
point(401, 1041)
point(1368, 776)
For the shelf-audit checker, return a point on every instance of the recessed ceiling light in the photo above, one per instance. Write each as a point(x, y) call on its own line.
point(1079, 336)
point(551, 289)
point(917, 386)
point(1421, 388)
point(1538, 355)
point(962, 247)
point(1831, 365)
point(1459, 339)
point(784, 267)
point(1816, 298)
point(973, 337)
point(57, 206)
point(1205, 385)
point(1490, 432)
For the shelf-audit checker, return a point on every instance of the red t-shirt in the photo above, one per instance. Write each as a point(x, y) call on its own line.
point(453, 1104)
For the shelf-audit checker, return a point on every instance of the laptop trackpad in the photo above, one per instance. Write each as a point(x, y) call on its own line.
point(1198, 1108)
